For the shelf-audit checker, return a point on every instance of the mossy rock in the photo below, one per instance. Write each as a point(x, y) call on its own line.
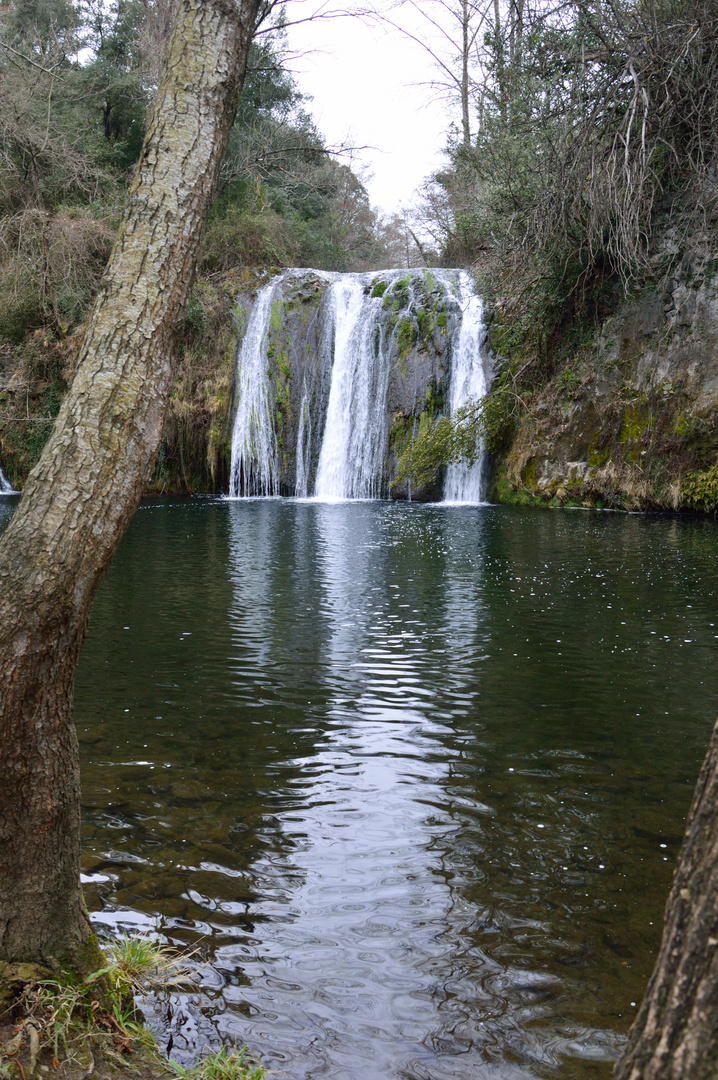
point(528, 474)
point(15, 977)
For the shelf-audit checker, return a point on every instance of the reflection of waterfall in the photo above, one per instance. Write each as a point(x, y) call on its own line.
point(6, 487)
point(465, 483)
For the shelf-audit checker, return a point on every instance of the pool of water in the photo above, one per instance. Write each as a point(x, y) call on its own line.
point(411, 779)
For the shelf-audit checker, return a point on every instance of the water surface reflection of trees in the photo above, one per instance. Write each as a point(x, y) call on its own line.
point(417, 773)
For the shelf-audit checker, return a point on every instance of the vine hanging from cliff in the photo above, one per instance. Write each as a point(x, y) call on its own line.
point(485, 423)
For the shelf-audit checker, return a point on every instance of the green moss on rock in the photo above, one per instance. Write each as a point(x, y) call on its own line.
point(699, 490)
point(408, 337)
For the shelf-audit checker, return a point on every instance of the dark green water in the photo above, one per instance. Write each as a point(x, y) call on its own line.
point(412, 777)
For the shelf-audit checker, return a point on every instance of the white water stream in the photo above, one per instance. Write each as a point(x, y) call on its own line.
point(360, 342)
point(304, 447)
point(6, 487)
point(253, 469)
point(465, 483)
point(350, 462)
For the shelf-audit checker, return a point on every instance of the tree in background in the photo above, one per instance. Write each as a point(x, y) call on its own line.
point(594, 124)
point(590, 120)
point(285, 198)
point(454, 40)
point(84, 490)
point(76, 89)
point(77, 80)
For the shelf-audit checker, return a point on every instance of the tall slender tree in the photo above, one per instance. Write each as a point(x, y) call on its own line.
point(83, 492)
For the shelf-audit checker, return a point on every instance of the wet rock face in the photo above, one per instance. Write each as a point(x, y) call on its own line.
point(402, 327)
point(300, 367)
point(632, 423)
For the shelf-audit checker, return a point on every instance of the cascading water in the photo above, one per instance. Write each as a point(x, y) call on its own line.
point(465, 483)
point(6, 487)
point(253, 469)
point(304, 447)
point(352, 449)
point(336, 371)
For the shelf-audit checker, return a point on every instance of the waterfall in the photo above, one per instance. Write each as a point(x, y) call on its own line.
point(353, 446)
point(253, 468)
point(6, 487)
point(335, 372)
point(304, 447)
point(465, 483)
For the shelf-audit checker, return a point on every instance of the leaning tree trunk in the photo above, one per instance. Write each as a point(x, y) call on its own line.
point(675, 1036)
point(83, 492)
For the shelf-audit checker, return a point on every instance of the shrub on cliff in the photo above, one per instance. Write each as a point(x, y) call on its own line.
point(590, 118)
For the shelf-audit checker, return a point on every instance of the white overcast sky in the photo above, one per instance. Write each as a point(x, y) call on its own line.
point(365, 82)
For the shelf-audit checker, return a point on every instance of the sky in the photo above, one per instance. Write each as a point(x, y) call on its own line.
point(366, 84)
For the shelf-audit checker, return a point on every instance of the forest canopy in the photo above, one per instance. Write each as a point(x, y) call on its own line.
point(77, 80)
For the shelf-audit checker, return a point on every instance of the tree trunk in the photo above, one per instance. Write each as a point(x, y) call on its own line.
point(675, 1036)
point(465, 47)
point(81, 496)
point(500, 65)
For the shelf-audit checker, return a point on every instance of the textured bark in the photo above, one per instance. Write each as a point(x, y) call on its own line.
point(82, 494)
point(675, 1036)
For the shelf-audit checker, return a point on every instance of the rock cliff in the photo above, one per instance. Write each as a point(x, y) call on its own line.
point(629, 420)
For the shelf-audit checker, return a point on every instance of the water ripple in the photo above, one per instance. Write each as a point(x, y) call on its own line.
point(412, 778)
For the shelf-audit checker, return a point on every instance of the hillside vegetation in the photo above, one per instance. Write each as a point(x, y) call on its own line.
point(77, 79)
point(581, 188)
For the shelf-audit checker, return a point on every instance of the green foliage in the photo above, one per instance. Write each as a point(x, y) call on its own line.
point(19, 315)
point(397, 295)
point(568, 381)
point(138, 963)
point(196, 320)
point(438, 442)
point(408, 337)
point(426, 453)
point(400, 432)
point(499, 415)
point(581, 142)
point(283, 200)
point(489, 422)
point(699, 490)
point(435, 396)
point(636, 420)
point(77, 1025)
point(223, 1064)
point(70, 1022)
point(71, 133)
